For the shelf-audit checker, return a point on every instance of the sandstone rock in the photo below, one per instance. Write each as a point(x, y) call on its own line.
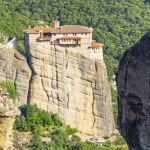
point(67, 82)
point(13, 66)
point(133, 82)
point(8, 112)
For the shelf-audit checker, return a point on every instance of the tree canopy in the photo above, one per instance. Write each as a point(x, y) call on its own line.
point(117, 23)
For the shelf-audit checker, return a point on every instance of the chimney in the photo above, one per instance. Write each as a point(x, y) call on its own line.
point(56, 24)
point(91, 29)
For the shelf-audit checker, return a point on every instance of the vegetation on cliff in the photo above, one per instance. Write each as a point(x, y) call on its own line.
point(62, 137)
point(32, 118)
point(117, 23)
point(115, 104)
point(11, 88)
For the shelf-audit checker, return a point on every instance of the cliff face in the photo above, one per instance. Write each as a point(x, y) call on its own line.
point(66, 82)
point(13, 66)
point(133, 82)
point(63, 81)
point(8, 112)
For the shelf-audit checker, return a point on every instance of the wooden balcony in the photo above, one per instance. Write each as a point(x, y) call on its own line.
point(45, 38)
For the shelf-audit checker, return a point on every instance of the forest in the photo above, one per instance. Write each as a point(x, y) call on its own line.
point(117, 23)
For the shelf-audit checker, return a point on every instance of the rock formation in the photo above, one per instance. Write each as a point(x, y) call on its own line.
point(13, 66)
point(63, 81)
point(8, 112)
point(67, 82)
point(133, 82)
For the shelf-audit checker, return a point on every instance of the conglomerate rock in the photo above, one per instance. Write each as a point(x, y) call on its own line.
point(66, 82)
point(133, 82)
point(8, 113)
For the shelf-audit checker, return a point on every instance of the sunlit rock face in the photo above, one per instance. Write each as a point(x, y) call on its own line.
point(13, 66)
point(8, 113)
point(67, 82)
point(133, 82)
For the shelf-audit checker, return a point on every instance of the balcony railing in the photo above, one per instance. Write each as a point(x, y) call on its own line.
point(45, 38)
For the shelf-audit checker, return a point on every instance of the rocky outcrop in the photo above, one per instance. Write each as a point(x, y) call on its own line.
point(133, 82)
point(67, 82)
point(13, 66)
point(8, 112)
point(63, 81)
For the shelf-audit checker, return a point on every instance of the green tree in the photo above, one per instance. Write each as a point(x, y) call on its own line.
point(36, 143)
point(11, 88)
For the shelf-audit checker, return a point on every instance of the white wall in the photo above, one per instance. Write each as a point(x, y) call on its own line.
point(96, 54)
point(86, 39)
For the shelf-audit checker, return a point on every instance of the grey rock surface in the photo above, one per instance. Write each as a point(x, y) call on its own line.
point(133, 82)
point(13, 66)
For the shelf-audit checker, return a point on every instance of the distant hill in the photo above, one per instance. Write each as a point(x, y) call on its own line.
point(117, 23)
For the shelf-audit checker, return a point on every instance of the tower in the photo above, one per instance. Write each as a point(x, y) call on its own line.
point(56, 24)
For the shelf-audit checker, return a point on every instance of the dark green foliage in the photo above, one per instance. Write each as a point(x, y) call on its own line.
point(11, 89)
point(117, 23)
point(36, 142)
point(119, 140)
point(62, 137)
point(71, 131)
point(32, 117)
point(115, 104)
point(56, 120)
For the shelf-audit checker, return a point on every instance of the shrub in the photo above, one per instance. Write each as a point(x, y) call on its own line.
point(119, 140)
point(71, 131)
point(11, 89)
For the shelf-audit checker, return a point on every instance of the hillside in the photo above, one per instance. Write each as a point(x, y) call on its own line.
point(118, 23)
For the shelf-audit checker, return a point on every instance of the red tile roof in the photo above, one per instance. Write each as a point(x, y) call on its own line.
point(37, 29)
point(95, 45)
point(72, 29)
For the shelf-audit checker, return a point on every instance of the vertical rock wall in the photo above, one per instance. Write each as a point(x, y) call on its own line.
point(13, 66)
point(133, 82)
point(8, 113)
point(66, 82)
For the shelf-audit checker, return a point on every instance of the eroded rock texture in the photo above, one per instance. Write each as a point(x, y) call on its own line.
point(13, 66)
point(8, 113)
point(133, 82)
point(66, 82)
